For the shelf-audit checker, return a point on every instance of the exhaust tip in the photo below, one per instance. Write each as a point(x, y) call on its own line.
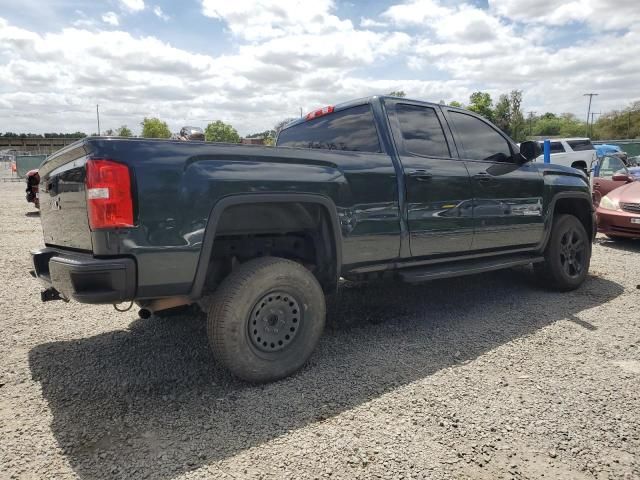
point(144, 313)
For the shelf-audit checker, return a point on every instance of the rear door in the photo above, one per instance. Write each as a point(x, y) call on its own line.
point(507, 193)
point(368, 201)
point(438, 189)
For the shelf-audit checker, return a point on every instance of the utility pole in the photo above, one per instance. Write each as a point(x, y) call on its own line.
point(300, 112)
point(531, 114)
point(98, 115)
point(590, 95)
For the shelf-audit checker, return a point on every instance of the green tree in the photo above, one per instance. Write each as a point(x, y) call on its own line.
point(397, 93)
point(481, 103)
point(109, 132)
point(619, 124)
point(455, 103)
point(547, 125)
point(570, 126)
point(155, 128)
point(124, 131)
point(219, 131)
point(502, 114)
point(516, 121)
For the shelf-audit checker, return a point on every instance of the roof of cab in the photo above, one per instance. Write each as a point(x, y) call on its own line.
point(355, 103)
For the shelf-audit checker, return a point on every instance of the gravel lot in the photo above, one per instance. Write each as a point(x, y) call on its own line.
point(479, 377)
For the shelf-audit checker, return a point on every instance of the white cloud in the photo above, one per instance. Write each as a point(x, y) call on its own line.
point(157, 11)
point(111, 18)
point(262, 19)
point(598, 14)
point(297, 54)
point(371, 23)
point(132, 5)
point(415, 12)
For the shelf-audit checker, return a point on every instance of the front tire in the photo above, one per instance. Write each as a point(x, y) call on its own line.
point(266, 318)
point(567, 255)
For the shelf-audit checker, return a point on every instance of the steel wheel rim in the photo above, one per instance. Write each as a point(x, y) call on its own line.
point(572, 253)
point(274, 321)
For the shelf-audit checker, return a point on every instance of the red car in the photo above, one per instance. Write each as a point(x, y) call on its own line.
point(619, 212)
point(610, 173)
point(33, 180)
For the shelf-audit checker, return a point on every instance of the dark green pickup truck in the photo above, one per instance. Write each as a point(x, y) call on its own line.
point(377, 186)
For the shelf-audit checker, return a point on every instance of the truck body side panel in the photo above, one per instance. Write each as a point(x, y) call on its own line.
point(177, 184)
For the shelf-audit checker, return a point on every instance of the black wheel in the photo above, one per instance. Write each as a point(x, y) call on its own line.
point(567, 255)
point(265, 319)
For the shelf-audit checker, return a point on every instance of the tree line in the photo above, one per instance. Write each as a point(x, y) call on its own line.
point(506, 114)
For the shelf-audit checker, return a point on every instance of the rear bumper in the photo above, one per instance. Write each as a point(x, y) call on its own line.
point(617, 223)
point(81, 277)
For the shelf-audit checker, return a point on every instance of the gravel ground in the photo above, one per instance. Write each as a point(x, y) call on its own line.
point(479, 377)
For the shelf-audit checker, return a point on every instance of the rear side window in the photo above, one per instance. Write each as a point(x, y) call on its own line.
point(479, 140)
point(352, 129)
point(556, 147)
point(421, 131)
point(580, 145)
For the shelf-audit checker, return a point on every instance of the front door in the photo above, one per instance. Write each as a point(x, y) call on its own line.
point(438, 189)
point(603, 182)
point(507, 193)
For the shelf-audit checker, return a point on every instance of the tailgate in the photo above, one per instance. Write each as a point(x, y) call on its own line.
point(63, 202)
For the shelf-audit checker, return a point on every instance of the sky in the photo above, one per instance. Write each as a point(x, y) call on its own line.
point(253, 63)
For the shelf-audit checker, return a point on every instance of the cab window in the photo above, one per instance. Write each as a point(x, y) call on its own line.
point(479, 140)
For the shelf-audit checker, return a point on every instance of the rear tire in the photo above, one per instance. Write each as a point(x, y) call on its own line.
point(567, 255)
point(265, 319)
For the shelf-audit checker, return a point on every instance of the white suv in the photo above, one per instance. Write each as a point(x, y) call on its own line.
point(571, 152)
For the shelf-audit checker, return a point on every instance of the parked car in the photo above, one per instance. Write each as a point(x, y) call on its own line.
point(571, 152)
point(634, 172)
point(33, 179)
point(609, 173)
point(611, 150)
point(619, 212)
point(257, 235)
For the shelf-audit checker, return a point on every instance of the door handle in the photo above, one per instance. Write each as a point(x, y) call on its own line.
point(421, 175)
point(483, 177)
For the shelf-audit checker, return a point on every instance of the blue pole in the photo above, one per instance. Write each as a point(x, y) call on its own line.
point(547, 151)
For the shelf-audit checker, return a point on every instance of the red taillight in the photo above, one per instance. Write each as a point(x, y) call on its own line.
point(320, 112)
point(109, 202)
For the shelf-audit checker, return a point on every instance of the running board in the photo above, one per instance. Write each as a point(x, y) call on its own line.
point(465, 267)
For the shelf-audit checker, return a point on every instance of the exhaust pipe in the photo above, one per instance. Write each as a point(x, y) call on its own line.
point(148, 308)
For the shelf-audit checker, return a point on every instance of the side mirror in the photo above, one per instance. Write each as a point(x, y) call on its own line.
point(621, 177)
point(530, 150)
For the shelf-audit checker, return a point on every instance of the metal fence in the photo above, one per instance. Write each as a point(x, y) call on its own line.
point(632, 147)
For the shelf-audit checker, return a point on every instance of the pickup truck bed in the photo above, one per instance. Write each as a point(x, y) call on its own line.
point(377, 186)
